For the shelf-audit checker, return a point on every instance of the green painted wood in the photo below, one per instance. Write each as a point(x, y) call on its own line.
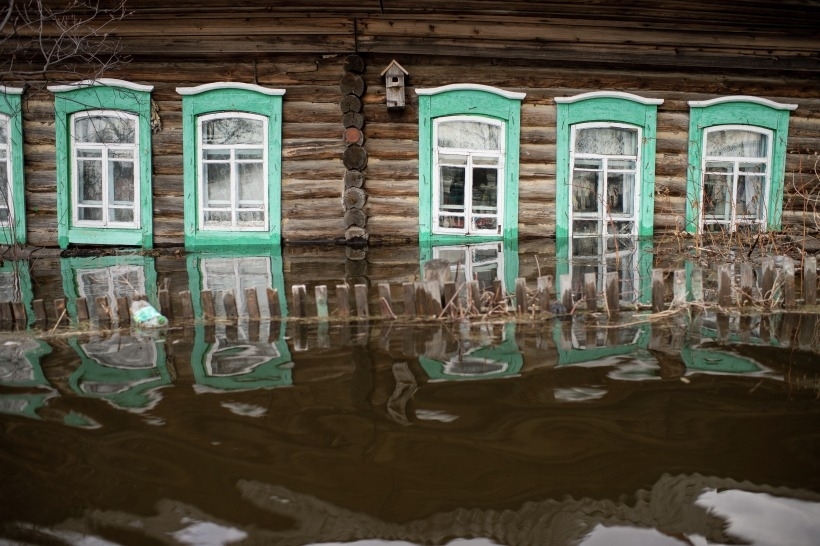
point(471, 102)
point(15, 232)
point(614, 110)
point(102, 97)
point(246, 101)
point(736, 113)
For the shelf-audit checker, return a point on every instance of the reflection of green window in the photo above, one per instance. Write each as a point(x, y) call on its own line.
point(477, 361)
point(20, 367)
point(232, 145)
point(12, 202)
point(605, 164)
point(15, 285)
point(239, 359)
point(468, 162)
point(737, 155)
point(103, 140)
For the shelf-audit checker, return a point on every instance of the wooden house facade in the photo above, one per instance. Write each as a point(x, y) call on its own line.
point(258, 122)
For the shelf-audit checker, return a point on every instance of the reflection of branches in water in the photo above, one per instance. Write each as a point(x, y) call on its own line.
point(43, 42)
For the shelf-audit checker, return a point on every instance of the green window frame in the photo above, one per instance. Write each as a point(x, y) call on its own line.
point(12, 194)
point(737, 113)
point(480, 105)
point(107, 97)
point(248, 102)
point(606, 110)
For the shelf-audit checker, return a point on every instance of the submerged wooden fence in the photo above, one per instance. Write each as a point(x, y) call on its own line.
point(431, 299)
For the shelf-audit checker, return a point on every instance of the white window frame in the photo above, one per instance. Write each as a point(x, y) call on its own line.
point(104, 148)
point(234, 189)
point(762, 217)
point(5, 147)
point(602, 216)
point(468, 179)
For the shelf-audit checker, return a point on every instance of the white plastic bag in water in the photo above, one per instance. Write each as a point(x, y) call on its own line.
point(143, 314)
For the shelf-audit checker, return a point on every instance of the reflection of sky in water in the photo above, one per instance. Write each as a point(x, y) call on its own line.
point(377, 542)
point(763, 519)
point(578, 394)
point(204, 533)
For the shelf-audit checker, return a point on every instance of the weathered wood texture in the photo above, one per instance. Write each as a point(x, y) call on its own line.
point(673, 50)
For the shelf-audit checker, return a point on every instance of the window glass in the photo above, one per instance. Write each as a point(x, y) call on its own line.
point(5, 171)
point(605, 182)
point(105, 174)
point(469, 171)
point(735, 178)
point(233, 172)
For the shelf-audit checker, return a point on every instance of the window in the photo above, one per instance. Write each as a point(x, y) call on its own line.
point(105, 180)
point(468, 163)
point(482, 262)
point(469, 160)
point(232, 146)
point(12, 205)
point(103, 140)
point(605, 165)
point(737, 149)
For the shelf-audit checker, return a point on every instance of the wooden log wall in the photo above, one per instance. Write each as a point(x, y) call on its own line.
point(548, 49)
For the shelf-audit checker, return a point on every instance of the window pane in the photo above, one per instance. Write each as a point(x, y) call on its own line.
point(451, 222)
point(619, 244)
point(469, 135)
point(90, 214)
point(93, 153)
point(249, 154)
point(218, 184)
point(4, 130)
point(478, 160)
point(233, 131)
point(217, 155)
point(716, 196)
point(451, 185)
point(217, 217)
point(90, 181)
point(621, 164)
point(719, 167)
point(749, 196)
point(619, 192)
point(607, 141)
point(121, 179)
point(585, 191)
point(452, 159)
point(121, 215)
point(105, 129)
point(585, 227)
point(736, 143)
point(753, 168)
point(586, 246)
point(485, 190)
point(251, 184)
point(620, 228)
point(256, 218)
point(485, 223)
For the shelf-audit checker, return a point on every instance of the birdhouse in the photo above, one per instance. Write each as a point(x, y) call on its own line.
point(394, 84)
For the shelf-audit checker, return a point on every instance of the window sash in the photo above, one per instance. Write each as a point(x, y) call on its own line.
point(106, 158)
point(479, 209)
point(233, 210)
point(746, 183)
point(594, 196)
point(6, 192)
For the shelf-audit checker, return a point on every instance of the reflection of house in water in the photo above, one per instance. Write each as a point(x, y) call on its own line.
point(125, 370)
point(20, 368)
point(630, 257)
point(15, 284)
point(451, 356)
point(110, 276)
point(247, 355)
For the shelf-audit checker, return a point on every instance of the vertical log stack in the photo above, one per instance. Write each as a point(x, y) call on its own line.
point(354, 197)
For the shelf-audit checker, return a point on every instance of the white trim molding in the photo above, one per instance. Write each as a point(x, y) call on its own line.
point(607, 95)
point(470, 87)
point(11, 90)
point(102, 82)
point(187, 91)
point(743, 98)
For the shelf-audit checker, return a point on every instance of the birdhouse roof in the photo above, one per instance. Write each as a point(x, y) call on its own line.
point(392, 64)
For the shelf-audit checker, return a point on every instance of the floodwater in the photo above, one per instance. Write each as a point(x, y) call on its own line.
point(696, 429)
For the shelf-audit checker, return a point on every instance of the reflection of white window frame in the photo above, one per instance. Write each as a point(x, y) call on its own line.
point(471, 264)
point(604, 218)
point(234, 206)
point(7, 204)
point(111, 292)
point(439, 209)
point(106, 159)
point(451, 366)
point(247, 351)
point(733, 220)
point(626, 259)
point(101, 350)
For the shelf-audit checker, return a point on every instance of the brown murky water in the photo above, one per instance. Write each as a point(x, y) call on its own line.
point(397, 434)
